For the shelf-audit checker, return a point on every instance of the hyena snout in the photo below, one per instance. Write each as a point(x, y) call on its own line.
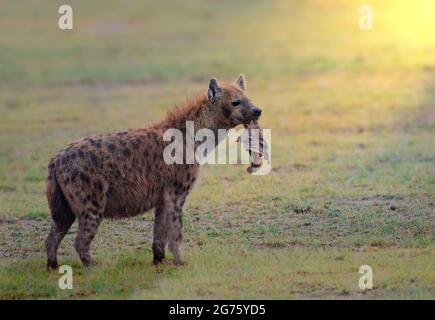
point(256, 112)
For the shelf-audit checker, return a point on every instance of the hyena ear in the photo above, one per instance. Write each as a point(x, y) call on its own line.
point(241, 82)
point(214, 91)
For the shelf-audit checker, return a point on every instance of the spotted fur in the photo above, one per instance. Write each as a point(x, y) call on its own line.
point(123, 174)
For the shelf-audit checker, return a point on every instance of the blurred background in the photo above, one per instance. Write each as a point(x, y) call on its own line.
point(351, 111)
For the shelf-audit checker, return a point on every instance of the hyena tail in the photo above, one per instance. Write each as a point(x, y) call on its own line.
point(63, 217)
point(60, 209)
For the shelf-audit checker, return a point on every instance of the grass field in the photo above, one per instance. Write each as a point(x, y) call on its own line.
point(352, 114)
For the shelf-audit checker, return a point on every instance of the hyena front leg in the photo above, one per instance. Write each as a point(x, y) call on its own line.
point(89, 221)
point(175, 227)
point(160, 232)
point(167, 227)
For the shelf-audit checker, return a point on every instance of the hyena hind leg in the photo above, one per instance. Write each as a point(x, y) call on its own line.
point(89, 222)
point(55, 236)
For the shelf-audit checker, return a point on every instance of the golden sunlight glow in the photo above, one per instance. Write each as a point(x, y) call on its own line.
point(410, 22)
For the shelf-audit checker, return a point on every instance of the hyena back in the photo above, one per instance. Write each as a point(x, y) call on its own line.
point(123, 174)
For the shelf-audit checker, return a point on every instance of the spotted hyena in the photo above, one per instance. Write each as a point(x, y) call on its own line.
point(123, 174)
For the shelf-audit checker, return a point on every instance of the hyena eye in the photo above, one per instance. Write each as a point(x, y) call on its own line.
point(235, 103)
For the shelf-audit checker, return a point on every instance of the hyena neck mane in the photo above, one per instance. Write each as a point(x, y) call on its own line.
point(199, 110)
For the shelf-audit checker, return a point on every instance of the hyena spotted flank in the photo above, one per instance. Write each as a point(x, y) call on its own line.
point(123, 174)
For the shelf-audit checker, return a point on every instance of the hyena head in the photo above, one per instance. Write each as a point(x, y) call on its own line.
point(230, 104)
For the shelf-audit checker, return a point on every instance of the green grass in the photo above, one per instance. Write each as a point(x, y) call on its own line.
point(352, 119)
point(241, 271)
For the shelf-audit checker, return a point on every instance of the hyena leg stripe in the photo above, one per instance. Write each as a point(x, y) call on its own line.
point(88, 227)
point(160, 234)
point(55, 236)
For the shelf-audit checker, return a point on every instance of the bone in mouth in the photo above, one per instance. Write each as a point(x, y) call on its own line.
point(252, 140)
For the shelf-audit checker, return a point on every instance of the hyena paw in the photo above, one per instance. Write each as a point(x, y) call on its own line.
point(158, 261)
point(178, 262)
point(89, 263)
point(52, 265)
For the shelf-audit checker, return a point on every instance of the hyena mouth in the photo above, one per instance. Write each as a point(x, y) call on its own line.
point(243, 120)
point(248, 119)
point(254, 117)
